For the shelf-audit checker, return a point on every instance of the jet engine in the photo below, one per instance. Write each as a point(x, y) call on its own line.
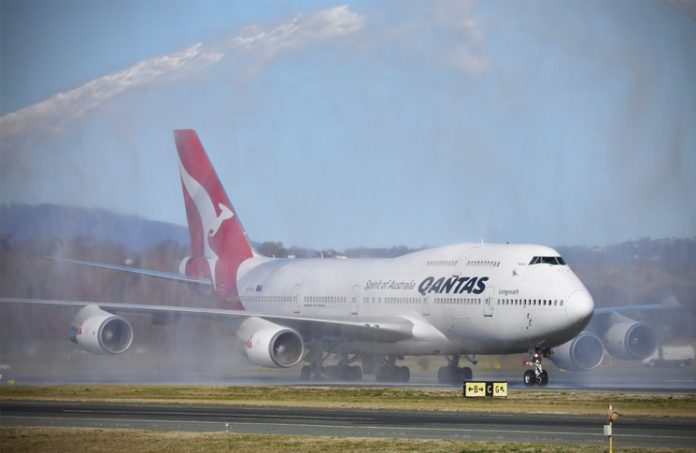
point(196, 267)
point(269, 344)
point(183, 264)
point(100, 332)
point(583, 352)
point(629, 339)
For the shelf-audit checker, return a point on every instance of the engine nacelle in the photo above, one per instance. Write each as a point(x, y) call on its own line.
point(183, 264)
point(269, 344)
point(583, 352)
point(100, 332)
point(196, 267)
point(629, 339)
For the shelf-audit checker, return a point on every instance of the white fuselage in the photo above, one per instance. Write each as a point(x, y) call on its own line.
point(462, 299)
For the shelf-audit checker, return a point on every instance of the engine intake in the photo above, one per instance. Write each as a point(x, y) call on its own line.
point(269, 344)
point(100, 332)
point(629, 339)
point(583, 352)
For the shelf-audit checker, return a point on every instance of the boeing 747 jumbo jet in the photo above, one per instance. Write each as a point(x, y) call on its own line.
point(457, 301)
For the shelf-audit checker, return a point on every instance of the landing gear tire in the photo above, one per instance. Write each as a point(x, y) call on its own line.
point(529, 378)
point(343, 373)
point(536, 375)
point(465, 374)
point(331, 373)
point(453, 375)
point(393, 373)
point(443, 375)
point(403, 374)
point(354, 373)
point(310, 373)
point(384, 374)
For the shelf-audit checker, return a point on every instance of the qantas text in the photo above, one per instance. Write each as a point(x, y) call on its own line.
point(453, 285)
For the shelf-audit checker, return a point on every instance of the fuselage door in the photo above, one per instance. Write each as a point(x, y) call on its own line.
point(355, 296)
point(527, 307)
point(488, 303)
point(297, 302)
point(425, 305)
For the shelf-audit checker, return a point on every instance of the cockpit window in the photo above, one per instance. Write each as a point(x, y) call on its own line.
point(553, 260)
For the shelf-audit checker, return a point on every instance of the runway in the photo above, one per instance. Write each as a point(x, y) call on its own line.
point(535, 428)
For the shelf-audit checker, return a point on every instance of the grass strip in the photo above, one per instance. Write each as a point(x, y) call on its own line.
point(397, 398)
point(70, 440)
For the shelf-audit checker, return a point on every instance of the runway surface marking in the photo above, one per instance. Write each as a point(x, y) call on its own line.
point(387, 428)
point(515, 427)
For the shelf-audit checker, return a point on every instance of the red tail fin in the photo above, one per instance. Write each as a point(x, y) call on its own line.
point(218, 241)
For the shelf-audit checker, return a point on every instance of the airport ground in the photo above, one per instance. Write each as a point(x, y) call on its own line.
point(358, 418)
point(40, 424)
point(659, 407)
point(69, 440)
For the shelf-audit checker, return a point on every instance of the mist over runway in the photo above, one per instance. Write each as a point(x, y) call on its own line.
point(84, 368)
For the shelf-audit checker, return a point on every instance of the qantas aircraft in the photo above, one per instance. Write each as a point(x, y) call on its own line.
point(456, 301)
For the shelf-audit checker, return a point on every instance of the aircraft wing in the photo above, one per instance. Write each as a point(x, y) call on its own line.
point(140, 271)
point(622, 309)
point(381, 329)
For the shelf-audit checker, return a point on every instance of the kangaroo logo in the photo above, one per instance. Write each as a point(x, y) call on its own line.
point(225, 213)
point(209, 217)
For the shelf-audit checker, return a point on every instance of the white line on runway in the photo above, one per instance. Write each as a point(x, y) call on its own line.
point(393, 428)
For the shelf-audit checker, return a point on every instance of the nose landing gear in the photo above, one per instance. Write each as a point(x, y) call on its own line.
point(536, 375)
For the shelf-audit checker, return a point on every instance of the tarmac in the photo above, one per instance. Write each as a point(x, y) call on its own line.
point(472, 426)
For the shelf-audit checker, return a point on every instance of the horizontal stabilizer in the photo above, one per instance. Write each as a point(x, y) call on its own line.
point(138, 271)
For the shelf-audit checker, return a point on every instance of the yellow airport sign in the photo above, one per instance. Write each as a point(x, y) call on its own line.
point(482, 389)
point(474, 389)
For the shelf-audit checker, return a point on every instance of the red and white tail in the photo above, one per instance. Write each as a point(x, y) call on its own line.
point(218, 241)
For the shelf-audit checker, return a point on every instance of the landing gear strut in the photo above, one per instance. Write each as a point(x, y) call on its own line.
point(343, 371)
point(453, 373)
point(316, 371)
point(389, 372)
point(536, 375)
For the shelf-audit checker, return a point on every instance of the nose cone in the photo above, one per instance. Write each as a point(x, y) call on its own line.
point(579, 307)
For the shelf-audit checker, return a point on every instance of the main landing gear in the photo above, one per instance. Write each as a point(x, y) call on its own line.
point(536, 375)
point(453, 373)
point(389, 372)
point(331, 373)
point(342, 371)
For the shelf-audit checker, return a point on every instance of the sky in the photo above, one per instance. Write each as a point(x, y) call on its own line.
point(376, 124)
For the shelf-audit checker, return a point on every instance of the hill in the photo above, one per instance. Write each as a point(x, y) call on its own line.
point(47, 221)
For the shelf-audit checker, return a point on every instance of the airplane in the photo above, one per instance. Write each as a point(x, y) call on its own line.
point(455, 301)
